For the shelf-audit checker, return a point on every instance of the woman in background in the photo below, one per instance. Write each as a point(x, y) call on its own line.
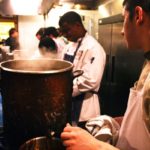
point(40, 33)
point(54, 34)
point(48, 48)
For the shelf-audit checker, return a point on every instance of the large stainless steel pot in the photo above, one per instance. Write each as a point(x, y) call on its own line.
point(36, 98)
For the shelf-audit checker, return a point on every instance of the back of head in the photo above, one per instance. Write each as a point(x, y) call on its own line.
point(131, 4)
point(48, 43)
point(12, 31)
point(51, 31)
point(70, 17)
point(40, 33)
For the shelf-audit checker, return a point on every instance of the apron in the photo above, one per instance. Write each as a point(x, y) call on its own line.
point(77, 101)
point(133, 133)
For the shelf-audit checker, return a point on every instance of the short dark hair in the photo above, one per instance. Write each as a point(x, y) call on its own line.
point(12, 31)
point(51, 31)
point(70, 17)
point(41, 32)
point(131, 4)
point(48, 43)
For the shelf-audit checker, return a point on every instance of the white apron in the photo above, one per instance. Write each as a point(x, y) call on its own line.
point(133, 133)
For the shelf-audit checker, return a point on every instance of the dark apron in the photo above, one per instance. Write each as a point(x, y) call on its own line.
point(77, 102)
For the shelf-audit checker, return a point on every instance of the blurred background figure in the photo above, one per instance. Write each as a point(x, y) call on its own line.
point(12, 40)
point(40, 33)
point(53, 33)
point(48, 48)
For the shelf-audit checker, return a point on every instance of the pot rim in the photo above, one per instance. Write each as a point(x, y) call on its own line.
point(33, 71)
point(40, 138)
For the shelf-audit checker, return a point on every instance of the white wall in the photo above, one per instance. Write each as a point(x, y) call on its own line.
point(28, 26)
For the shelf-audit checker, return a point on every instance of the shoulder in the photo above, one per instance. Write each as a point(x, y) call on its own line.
point(89, 37)
point(93, 46)
point(91, 42)
point(146, 104)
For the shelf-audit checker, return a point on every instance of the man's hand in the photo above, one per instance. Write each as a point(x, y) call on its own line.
point(75, 138)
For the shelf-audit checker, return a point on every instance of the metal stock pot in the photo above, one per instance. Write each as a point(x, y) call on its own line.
point(43, 143)
point(36, 98)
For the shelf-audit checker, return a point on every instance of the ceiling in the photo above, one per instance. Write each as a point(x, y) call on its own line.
point(84, 4)
point(26, 7)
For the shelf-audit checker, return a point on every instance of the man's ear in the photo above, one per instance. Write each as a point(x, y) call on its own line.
point(139, 15)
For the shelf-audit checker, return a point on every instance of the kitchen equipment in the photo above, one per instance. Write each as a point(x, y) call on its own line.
point(42, 143)
point(36, 98)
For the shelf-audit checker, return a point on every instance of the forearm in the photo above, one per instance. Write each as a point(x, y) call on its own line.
point(105, 146)
point(75, 138)
point(83, 84)
point(92, 64)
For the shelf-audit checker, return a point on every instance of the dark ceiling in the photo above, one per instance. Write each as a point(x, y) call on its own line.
point(46, 5)
point(85, 4)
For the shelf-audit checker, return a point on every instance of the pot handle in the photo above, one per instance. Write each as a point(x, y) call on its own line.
point(77, 73)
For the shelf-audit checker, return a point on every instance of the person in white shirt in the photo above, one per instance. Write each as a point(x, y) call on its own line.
point(86, 53)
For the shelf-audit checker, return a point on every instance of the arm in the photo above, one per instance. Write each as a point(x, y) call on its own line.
point(75, 138)
point(92, 63)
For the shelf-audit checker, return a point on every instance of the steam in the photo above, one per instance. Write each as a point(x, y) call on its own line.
point(37, 65)
point(33, 62)
point(23, 61)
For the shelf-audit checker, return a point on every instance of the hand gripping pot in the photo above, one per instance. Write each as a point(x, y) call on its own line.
point(36, 98)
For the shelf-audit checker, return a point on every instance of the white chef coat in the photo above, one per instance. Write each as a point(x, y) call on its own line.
point(135, 129)
point(90, 58)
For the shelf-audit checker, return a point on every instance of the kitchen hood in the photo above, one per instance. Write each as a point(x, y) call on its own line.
point(25, 7)
point(36, 7)
point(84, 4)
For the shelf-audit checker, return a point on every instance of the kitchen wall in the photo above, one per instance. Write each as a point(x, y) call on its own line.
point(28, 25)
point(110, 8)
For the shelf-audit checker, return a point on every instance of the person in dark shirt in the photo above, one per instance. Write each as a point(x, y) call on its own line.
point(12, 40)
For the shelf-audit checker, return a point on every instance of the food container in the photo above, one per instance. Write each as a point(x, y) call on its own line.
point(36, 98)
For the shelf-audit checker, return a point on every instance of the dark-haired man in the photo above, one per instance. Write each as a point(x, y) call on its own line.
point(135, 128)
point(88, 55)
